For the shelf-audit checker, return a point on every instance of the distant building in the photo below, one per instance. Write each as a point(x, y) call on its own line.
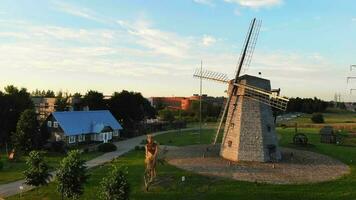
point(74, 127)
point(182, 103)
point(44, 106)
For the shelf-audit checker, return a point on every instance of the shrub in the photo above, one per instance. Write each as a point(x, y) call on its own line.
point(115, 185)
point(37, 172)
point(107, 147)
point(71, 176)
point(317, 118)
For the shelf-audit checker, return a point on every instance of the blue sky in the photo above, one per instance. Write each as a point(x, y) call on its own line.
point(305, 47)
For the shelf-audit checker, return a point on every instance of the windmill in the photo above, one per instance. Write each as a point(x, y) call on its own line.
point(249, 132)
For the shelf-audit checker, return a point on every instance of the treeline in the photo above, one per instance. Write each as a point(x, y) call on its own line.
point(129, 108)
point(306, 105)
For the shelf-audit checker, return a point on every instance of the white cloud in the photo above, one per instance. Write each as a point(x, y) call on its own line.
point(77, 11)
point(256, 3)
point(208, 40)
point(160, 42)
point(140, 51)
point(205, 2)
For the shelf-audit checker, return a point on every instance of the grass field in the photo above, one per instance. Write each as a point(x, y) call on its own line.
point(186, 137)
point(12, 170)
point(330, 118)
point(201, 187)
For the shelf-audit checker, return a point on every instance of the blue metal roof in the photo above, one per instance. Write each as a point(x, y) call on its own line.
point(83, 122)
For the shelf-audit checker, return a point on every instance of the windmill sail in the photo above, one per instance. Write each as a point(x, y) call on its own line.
point(245, 57)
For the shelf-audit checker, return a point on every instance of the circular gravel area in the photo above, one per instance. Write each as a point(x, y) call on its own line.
point(296, 167)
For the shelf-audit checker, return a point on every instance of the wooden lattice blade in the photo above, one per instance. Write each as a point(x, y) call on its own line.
point(211, 75)
point(264, 96)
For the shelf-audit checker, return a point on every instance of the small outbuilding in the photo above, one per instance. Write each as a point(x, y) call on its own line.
point(327, 135)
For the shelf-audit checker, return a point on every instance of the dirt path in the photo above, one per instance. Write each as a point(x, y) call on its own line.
point(297, 166)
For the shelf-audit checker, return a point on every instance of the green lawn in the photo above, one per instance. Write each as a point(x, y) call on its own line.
point(183, 138)
point(201, 187)
point(12, 170)
point(330, 118)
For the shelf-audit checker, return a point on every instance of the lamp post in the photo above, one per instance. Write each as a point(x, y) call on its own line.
point(200, 99)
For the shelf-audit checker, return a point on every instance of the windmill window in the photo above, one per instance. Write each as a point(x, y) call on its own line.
point(55, 124)
point(269, 128)
point(229, 143)
point(49, 124)
point(232, 125)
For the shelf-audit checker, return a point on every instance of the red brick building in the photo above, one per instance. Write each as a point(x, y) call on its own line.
point(181, 103)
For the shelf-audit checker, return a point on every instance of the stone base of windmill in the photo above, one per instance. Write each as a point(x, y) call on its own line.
point(296, 167)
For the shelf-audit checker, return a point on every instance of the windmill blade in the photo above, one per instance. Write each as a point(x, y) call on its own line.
point(249, 46)
point(221, 121)
point(211, 75)
point(252, 45)
point(263, 96)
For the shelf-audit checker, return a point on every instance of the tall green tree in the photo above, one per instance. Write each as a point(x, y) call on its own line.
point(130, 107)
point(37, 172)
point(94, 100)
point(71, 175)
point(61, 102)
point(115, 185)
point(166, 115)
point(27, 132)
point(13, 102)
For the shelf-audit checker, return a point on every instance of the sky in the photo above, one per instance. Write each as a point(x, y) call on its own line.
point(305, 47)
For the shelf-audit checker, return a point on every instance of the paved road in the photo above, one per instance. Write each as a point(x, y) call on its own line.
point(123, 147)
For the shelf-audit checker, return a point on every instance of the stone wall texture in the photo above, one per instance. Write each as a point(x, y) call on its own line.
point(249, 133)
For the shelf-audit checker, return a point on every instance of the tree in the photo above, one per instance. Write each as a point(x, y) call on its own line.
point(306, 105)
point(27, 133)
point(61, 101)
point(37, 172)
point(71, 175)
point(166, 115)
point(115, 185)
point(12, 103)
point(130, 107)
point(49, 93)
point(94, 100)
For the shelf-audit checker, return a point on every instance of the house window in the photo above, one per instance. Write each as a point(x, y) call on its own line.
point(55, 124)
point(116, 133)
point(72, 139)
point(81, 138)
point(49, 123)
point(58, 137)
point(109, 135)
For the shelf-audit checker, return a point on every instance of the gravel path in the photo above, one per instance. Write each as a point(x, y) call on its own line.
point(296, 167)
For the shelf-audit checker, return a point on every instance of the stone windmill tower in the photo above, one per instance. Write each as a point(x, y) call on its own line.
point(249, 131)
